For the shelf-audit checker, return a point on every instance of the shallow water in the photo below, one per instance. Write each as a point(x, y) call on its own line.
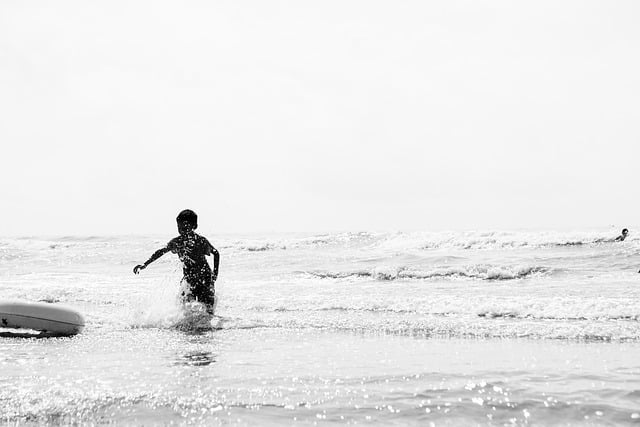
point(487, 328)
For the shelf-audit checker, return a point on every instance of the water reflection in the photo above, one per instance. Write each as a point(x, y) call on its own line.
point(196, 358)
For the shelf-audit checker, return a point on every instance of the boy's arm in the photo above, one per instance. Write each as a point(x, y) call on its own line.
point(216, 262)
point(157, 254)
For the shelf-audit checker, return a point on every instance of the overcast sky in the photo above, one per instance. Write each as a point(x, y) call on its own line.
point(318, 115)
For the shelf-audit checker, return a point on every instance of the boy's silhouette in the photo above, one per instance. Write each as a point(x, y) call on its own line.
point(192, 249)
point(622, 236)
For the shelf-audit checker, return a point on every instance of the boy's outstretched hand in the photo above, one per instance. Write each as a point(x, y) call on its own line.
point(138, 267)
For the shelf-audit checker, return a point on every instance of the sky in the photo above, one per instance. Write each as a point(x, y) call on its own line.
point(299, 115)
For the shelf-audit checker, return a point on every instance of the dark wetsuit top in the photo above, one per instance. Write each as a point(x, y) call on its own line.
point(192, 249)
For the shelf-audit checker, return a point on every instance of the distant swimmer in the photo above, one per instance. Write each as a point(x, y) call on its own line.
point(191, 248)
point(623, 236)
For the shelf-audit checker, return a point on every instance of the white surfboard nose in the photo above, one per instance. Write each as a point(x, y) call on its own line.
point(52, 318)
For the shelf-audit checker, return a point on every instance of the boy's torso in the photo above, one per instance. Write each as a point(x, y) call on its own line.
point(192, 249)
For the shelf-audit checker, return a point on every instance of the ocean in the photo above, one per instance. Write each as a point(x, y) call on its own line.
point(413, 328)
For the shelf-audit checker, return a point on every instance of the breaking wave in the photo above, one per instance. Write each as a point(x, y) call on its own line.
point(441, 240)
point(542, 316)
point(482, 272)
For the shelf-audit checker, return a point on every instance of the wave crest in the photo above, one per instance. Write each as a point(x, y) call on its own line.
point(482, 272)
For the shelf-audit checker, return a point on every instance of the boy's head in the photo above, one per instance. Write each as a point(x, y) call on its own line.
point(625, 231)
point(187, 221)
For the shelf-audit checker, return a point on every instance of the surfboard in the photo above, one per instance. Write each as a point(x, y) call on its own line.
point(48, 318)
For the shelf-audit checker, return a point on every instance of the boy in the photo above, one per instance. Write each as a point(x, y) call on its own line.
point(191, 249)
point(623, 236)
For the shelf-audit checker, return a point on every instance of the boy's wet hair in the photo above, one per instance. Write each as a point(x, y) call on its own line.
point(624, 230)
point(189, 217)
